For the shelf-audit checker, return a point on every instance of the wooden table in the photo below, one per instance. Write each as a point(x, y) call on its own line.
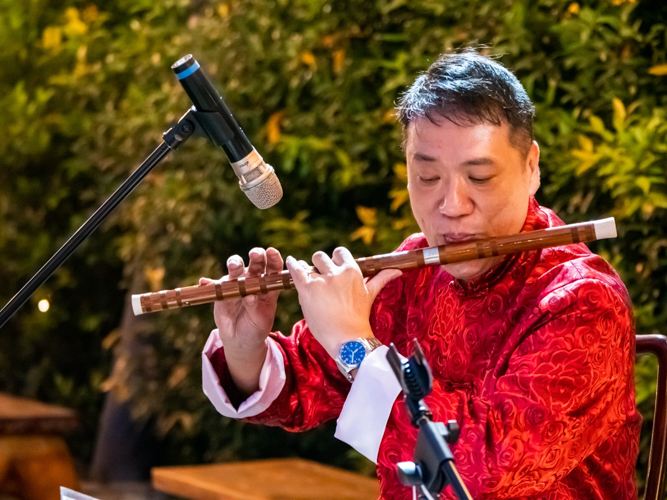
point(34, 458)
point(278, 479)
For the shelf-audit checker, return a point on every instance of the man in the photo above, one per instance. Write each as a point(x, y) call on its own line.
point(532, 354)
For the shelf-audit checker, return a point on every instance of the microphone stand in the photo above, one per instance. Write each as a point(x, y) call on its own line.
point(433, 467)
point(192, 122)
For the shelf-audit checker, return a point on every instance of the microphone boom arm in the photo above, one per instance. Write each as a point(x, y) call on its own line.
point(171, 140)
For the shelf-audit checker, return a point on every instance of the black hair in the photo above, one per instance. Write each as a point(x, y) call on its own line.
point(467, 89)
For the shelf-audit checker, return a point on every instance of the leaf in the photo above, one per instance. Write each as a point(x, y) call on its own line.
point(401, 172)
point(619, 114)
point(90, 14)
point(74, 23)
point(368, 216)
point(51, 37)
point(177, 376)
point(644, 184)
point(308, 58)
point(154, 277)
point(659, 200)
point(338, 60)
point(586, 144)
point(389, 116)
point(365, 233)
point(597, 124)
point(398, 198)
point(273, 127)
point(658, 70)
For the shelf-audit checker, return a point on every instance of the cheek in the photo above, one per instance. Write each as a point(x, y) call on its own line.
point(506, 209)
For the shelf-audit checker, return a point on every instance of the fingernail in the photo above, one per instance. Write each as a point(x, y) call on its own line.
point(290, 260)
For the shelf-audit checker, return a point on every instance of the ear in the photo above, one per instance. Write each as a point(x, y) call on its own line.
point(533, 167)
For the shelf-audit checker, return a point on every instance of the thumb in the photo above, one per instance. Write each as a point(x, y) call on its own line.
point(378, 281)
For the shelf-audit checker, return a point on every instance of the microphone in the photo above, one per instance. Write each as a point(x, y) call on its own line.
point(257, 179)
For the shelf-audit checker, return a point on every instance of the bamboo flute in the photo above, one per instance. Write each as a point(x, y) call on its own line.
point(441, 255)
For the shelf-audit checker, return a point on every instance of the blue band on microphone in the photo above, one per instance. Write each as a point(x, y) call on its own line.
point(188, 71)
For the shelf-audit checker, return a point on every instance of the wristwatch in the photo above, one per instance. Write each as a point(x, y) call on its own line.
point(352, 353)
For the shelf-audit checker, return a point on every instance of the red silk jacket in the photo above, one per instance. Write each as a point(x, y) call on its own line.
point(534, 359)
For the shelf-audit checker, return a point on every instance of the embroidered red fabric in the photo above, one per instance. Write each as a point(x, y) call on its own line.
point(535, 360)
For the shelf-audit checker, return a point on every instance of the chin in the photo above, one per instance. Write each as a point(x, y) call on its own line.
point(469, 270)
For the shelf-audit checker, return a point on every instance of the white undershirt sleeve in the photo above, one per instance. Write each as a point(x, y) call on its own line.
point(366, 410)
point(271, 381)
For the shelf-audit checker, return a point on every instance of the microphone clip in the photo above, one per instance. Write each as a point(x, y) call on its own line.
point(207, 124)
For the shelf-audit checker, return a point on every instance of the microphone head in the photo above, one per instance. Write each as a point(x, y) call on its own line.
point(258, 180)
point(265, 193)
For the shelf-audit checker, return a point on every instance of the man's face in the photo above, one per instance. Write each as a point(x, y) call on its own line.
point(468, 183)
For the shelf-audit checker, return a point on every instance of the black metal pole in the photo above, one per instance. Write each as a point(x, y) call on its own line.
point(172, 139)
point(455, 480)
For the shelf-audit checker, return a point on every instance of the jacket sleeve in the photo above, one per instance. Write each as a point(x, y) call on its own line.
point(559, 394)
point(314, 390)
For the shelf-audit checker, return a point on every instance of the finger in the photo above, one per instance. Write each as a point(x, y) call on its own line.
point(297, 272)
point(257, 264)
point(378, 281)
point(324, 264)
point(235, 266)
point(343, 257)
point(205, 281)
point(274, 261)
point(306, 267)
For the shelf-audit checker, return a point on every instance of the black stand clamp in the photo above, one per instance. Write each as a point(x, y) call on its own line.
point(433, 467)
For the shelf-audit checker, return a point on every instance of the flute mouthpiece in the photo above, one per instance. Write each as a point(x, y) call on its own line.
point(605, 228)
point(136, 305)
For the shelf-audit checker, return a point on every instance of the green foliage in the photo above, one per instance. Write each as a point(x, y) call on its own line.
point(86, 91)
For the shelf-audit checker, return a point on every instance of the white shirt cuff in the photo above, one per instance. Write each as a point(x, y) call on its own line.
point(366, 410)
point(271, 381)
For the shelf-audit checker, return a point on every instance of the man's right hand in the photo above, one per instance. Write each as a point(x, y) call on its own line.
point(244, 323)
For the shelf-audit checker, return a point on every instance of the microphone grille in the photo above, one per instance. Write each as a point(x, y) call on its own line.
point(267, 193)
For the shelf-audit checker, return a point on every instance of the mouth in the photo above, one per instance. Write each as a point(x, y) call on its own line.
point(459, 237)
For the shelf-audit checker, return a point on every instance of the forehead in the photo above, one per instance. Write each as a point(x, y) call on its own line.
point(445, 137)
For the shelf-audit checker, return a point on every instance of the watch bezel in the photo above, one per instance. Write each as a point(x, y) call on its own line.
point(369, 345)
point(345, 350)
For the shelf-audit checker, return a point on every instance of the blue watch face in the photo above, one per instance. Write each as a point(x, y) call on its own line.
point(352, 352)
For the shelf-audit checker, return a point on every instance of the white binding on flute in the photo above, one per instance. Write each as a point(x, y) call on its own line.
point(604, 228)
point(136, 305)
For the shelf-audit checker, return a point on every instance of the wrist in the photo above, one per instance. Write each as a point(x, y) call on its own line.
point(245, 367)
point(352, 353)
point(337, 341)
point(244, 352)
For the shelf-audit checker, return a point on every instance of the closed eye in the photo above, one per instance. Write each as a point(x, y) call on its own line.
point(429, 180)
point(480, 180)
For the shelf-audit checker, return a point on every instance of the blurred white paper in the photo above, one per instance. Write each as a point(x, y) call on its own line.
point(67, 494)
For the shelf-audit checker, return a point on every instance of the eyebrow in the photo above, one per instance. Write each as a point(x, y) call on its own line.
point(483, 160)
point(423, 157)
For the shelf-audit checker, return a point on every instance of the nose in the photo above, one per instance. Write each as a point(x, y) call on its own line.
point(455, 199)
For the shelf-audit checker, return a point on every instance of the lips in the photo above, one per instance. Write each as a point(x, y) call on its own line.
point(459, 237)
